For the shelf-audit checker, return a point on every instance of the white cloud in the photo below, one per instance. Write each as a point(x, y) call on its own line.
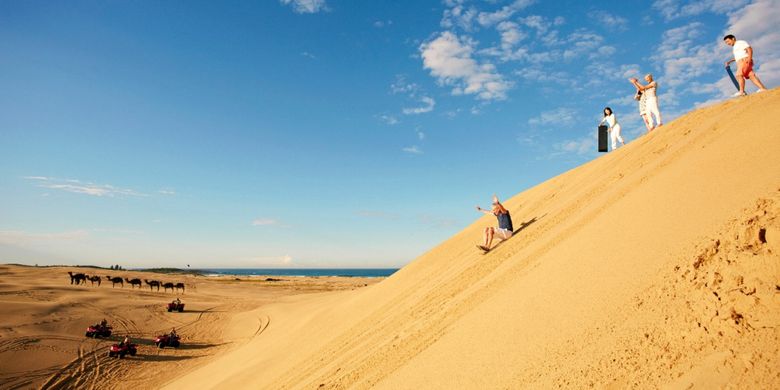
point(389, 119)
point(167, 191)
point(450, 60)
point(383, 23)
point(79, 187)
point(306, 6)
point(542, 75)
point(511, 35)
point(609, 21)
point(14, 237)
point(674, 9)
point(412, 150)
point(490, 18)
point(560, 116)
point(309, 55)
point(585, 145)
point(402, 86)
point(420, 135)
point(459, 16)
point(428, 104)
point(264, 222)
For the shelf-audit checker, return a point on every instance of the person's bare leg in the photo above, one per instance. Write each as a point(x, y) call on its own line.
point(489, 237)
point(647, 122)
point(754, 78)
point(485, 237)
point(740, 78)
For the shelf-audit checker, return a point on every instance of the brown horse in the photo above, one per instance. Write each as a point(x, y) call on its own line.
point(134, 282)
point(179, 286)
point(153, 283)
point(116, 280)
point(168, 285)
point(78, 278)
point(93, 279)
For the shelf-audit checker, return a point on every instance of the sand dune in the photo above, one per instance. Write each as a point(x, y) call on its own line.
point(652, 266)
point(656, 265)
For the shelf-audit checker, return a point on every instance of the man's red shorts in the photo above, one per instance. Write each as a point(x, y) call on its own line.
point(747, 67)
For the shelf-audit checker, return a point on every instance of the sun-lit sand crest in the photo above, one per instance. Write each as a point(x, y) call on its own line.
point(655, 265)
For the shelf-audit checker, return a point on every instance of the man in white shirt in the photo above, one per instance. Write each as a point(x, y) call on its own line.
point(743, 55)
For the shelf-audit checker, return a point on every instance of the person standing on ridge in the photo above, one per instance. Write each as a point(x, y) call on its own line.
point(503, 231)
point(614, 127)
point(649, 93)
point(743, 55)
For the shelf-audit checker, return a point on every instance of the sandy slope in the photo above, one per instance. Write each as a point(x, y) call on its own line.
point(43, 319)
point(655, 265)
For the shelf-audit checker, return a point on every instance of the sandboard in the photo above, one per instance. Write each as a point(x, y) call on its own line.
point(480, 247)
point(731, 76)
point(603, 136)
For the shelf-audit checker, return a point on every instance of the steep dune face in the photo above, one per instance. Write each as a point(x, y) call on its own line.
point(657, 264)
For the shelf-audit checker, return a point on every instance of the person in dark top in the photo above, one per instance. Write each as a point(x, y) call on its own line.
point(504, 229)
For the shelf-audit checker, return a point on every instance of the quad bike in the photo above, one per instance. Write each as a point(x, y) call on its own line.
point(120, 350)
point(98, 330)
point(166, 340)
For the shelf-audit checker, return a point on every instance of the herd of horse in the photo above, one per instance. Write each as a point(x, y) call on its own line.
point(81, 278)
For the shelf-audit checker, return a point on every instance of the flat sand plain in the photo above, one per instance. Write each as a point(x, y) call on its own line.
point(43, 320)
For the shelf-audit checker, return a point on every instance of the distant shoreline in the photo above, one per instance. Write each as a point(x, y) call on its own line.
point(288, 272)
point(302, 272)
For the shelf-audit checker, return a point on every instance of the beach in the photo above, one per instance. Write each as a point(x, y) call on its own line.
point(44, 317)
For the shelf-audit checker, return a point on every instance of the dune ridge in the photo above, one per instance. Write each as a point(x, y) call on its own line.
point(598, 289)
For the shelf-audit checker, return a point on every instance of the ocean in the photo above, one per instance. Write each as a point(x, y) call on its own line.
point(349, 272)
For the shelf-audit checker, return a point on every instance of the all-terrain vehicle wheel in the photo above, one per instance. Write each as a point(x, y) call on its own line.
point(181, 309)
point(110, 354)
point(169, 310)
point(132, 353)
point(88, 334)
point(160, 345)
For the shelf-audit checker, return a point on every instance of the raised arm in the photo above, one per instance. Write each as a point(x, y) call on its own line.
point(500, 206)
point(638, 86)
point(480, 209)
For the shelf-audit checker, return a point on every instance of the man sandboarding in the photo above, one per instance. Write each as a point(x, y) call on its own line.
point(504, 229)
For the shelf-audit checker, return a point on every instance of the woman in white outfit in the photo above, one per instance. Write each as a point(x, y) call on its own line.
point(651, 100)
point(642, 99)
point(614, 127)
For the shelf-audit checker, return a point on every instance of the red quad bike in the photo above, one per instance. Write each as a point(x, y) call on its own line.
point(98, 330)
point(173, 306)
point(120, 350)
point(165, 340)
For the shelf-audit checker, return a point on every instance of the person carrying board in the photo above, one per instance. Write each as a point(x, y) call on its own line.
point(743, 55)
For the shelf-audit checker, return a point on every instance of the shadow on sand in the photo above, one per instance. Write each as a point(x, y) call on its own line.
point(199, 345)
point(522, 227)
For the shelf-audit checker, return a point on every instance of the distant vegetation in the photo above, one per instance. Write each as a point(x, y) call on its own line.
point(196, 272)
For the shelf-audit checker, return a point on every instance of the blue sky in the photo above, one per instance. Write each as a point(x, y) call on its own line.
point(321, 133)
